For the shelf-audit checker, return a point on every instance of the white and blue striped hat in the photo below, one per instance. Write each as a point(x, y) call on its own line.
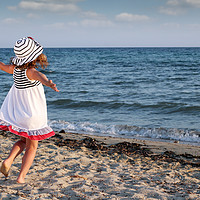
point(26, 50)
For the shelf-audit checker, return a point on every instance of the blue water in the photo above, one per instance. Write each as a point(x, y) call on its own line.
point(122, 92)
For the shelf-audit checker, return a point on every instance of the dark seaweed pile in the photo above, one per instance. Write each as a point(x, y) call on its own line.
point(126, 148)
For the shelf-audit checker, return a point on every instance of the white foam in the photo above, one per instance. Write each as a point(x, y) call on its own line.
point(191, 136)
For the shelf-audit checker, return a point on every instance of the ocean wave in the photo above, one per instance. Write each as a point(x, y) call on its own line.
point(165, 107)
point(68, 103)
point(126, 131)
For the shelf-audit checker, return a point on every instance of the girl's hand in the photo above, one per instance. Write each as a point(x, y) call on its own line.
point(1, 65)
point(53, 85)
point(7, 68)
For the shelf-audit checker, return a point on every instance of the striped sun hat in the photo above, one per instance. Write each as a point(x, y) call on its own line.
point(26, 50)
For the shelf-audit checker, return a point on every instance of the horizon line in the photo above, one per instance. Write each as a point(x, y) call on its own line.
point(71, 47)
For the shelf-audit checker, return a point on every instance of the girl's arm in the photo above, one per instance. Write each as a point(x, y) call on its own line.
point(33, 74)
point(7, 68)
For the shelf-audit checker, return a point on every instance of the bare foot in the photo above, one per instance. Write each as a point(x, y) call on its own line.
point(5, 169)
point(20, 180)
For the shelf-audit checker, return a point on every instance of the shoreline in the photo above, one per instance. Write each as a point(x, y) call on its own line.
point(156, 146)
point(139, 138)
point(79, 166)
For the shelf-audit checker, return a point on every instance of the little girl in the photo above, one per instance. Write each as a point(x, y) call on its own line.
point(24, 110)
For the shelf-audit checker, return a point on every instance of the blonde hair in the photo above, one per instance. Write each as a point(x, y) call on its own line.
point(40, 61)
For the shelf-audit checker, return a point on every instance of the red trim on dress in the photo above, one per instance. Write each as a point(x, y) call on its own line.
point(4, 128)
point(24, 134)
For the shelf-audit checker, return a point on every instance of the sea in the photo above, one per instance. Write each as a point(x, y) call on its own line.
point(142, 93)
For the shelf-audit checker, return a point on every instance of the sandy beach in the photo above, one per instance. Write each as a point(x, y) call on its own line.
point(74, 166)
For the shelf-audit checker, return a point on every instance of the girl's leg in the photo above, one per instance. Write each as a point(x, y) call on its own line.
point(18, 147)
point(27, 160)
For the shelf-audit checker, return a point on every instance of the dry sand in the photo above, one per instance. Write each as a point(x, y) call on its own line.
point(69, 166)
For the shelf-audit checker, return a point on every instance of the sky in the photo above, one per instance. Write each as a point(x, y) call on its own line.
point(101, 23)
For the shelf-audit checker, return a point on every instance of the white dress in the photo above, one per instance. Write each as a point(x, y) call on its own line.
point(24, 110)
